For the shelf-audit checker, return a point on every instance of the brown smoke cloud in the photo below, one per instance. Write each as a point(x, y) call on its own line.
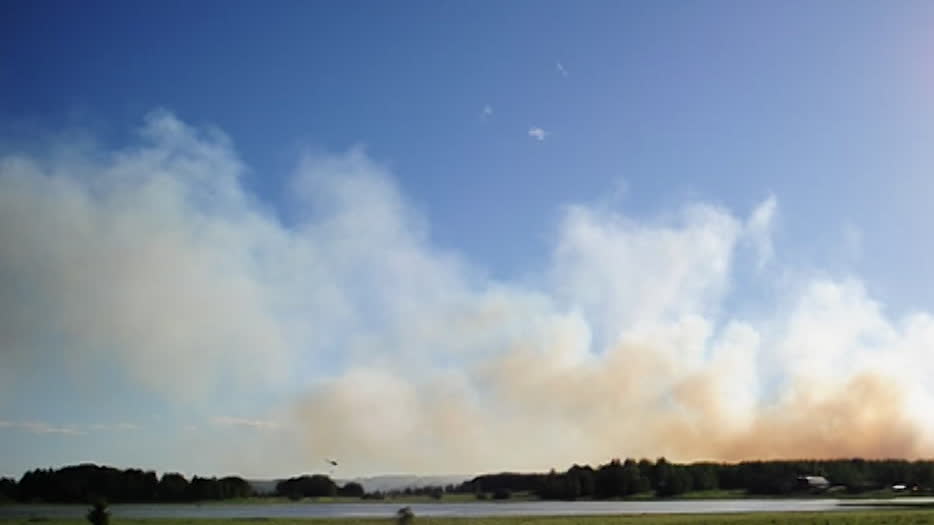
point(534, 408)
point(536, 414)
point(864, 417)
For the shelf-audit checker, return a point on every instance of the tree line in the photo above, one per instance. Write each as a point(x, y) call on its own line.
point(614, 479)
point(617, 478)
point(87, 482)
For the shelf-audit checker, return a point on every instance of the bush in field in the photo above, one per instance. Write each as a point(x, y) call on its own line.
point(99, 515)
point(405, 516)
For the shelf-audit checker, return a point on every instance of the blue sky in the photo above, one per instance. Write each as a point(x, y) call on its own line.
point(414, 124)
point(822, 105)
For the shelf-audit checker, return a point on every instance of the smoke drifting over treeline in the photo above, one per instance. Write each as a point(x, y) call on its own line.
point(394, 355)
point(614, 479)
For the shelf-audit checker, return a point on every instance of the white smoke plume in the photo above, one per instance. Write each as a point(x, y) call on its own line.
point(396, 356)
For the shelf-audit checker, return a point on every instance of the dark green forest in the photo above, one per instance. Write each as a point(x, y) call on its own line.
point(618, 478)
point(615, 479)
point(86, 483)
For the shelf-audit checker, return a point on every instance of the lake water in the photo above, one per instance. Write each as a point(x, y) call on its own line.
point(538, 508)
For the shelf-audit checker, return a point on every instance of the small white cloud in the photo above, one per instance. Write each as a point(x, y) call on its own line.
point(39, 427)
point(538, 133)
point(258, 424)
point(114, 426)
point(487, 111)
point(559, 67)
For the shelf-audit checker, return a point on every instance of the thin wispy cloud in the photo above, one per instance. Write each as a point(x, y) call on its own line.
point(114, 426)
point(487, 111)
point(538, 133)
point(759, 230)
point(39, 427)
point(559, 67)
point(258, 424)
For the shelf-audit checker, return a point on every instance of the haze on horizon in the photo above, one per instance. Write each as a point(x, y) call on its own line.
point(442, 238)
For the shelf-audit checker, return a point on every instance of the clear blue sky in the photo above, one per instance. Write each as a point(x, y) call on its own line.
point(827, 106)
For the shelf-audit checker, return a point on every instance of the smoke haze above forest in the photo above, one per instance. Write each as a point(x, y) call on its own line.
point(397, 356)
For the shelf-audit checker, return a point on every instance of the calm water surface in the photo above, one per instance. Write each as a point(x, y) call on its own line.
point(537, 508)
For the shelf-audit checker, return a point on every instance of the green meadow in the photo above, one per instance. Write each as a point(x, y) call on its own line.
point(863, 517)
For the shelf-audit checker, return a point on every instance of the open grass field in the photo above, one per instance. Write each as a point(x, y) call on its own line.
point(872, 517)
